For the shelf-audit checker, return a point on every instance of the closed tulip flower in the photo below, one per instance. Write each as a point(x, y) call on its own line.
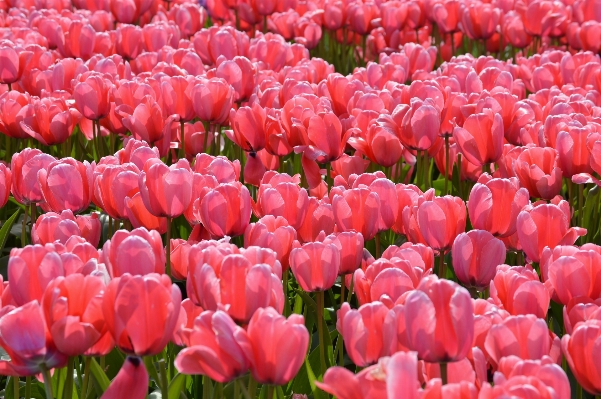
point(369, 332)
point(357, 209)
point(5, 184)
point(579, 310)
point(12, 64)
point(494, 204)
point(274, 233)
point(419, 125)
point(284, 198)
point(538, 172)
point(481, 138)
point(574, 276)
point(51, 121)
point(441, 220)
point(14, 108)
point(128, 11)
point(131, 381)
point(380, 144)
point(519, 291)
point(112, 185)
point(476, 255)
point(319, 217)
point(350, 244)
point(573, 154)
point(73, 310)
point(92, 96)
point(315, 265)
point(276, 346)
point(225, 210)
point(66, 184)
point(139, 216)
point(212, 100)
point(29, 353)
point(214, 348)
point(141, 312)
point(546, 225)
point(146, 121)
point(137, 252)
point(51, 227)
point(580, 350)
point(166, 190)
point(440, 320)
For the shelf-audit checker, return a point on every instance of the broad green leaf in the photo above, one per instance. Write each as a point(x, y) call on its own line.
point(177, 385)
point(5, 230)
point(99, 376)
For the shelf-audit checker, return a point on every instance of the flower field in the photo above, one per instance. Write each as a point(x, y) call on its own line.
point(269, 199)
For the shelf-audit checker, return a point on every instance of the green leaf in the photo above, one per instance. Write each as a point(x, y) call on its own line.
point(5, 230)
point(307, 299)
point(177, 385)
point(99, 375)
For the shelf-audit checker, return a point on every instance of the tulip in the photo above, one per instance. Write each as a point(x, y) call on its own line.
point(480, 22)
point(579, 310)
point(225, 210)
point(146, 121)
point(214, 348)
point(419, 125)
point(92, 96)
point(5, 184)
point(350, 245)
point(66, 184)
point(476, 255)
point(447, 15)
point(31, 353)
point(240, 73)
point(315, 265)
point(369, 333)
point(538, 172)
point(212, 100)
point(139, 216)
point(481, 138)
point(525, 336)
point(579, 349)
point(276, 346)
point(357, 209)
point(440, 320)
point(319, 217)
point(51, 121)
point(274, 233)
point(248, 127)
point(131, 381)
point(418, 255)
point(12, 64)
point(284, 199)
point(73, 309)
point(380, 144)
point(487, 200)
point(129, 11)
point(546, 225)
point(113, 184)
point(240, 287)
point(575, 276)
point(51, 227)
point(519, 291)
point(573, 154)
point(136, 252)
point(14, 108)
point(441, 220)
point(141, 312)
point(128, 42)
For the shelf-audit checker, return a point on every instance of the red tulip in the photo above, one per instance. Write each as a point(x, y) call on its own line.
point(579, 310)
point(51, 227)
point(481, 138)
point(225, 210)
point(66, 184)
point(315, 265)
point(166, 190)
point(141, 312)
point(274, 233)
point(51, 122)
point(239, 287)
point(546, 225)
point(92, 96)
point(31, 269)
point(137, 252)
point(73, 309)
point(494, 205)
point(189, 17)
point(32, 352)
point(418, 255)
point(579, 349)
point(357, 209)
point(519, 291)
point(176, 97)
point(131, 381)
point(441, 220)
point(574, 276)
point(360, 16)
point(240, 73)
point(212, 100)
point(476, 255)
point(524, 336)
point(277, 347)
point(369, 333)
point(214, 348)
point(538, 172)
point(440, 320)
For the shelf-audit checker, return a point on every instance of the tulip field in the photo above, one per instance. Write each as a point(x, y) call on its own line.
point(294, 199)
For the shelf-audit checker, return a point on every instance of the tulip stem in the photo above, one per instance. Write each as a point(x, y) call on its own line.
point(519, 258)
point(459, 177)
point(28, 387)
point(182, 150)
point(15, 387)
point(47, 381)
point(33, 213)
point(320, 332)
point(442, 270)
point(286, 299)
point(24, 229)
point(378, 245)
point(265, 24)
point(168, 247)
point(252, 387)
point(443, 373)
point(206, 387)
point(580, 205)
point(10, 87)
point(69, 380)
point(86, 378)
point(270, 392)
point(350, 290)
point(578, 391)
point(163, 377)
point(446, 161)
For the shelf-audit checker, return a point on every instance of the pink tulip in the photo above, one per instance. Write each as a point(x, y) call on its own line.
point(51, 227)
point(128, 11)
point(141, 312)
point(214, 348)
point(139, 216)
point(51, 121)
point(274, 233)
point(350, 245)
point(494, 204)
point(92, 96)
point(66, 184)
point(277, 346)
point(14, 108)
point(575, 276)
point(315, 265)
point(136, 252)
point(225, 210)
point(519, 291)
point(166, 190)
point(212, 100)
point(131, 381)
point(538, 172)
point(573, 154)
point(481, 138)
point(440, 221)
point(419, 124)
point(112, 185)
point(319, 217)
point(579, 349)
point(12, 64)
point(369, 333)
point(32, 352)
point(439, 320)
point(357, 209)
point(145, 121)
point(579, 310)
point(5, 184)
point(476, 255)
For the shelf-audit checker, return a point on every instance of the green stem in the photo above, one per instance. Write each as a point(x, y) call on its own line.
point(206, 387)
point(86, 378)
point(329, 180)
point(320, 332)
point(270, 392)
point(519, 258)
point(47, 381)
point(168, 246)
point(24, 229)
point(378, 246)
point(580, 204)
point(442, 270)
point(446, 161)
point(16, 387)
point(459, 177)
point(286, 299)
point(28, 387)
point(69, 381)
point(578, 391)
point(252, 387)
point(342, 289)
point(163, 377)
point(350, 290)
point(443, 373)
point(236, 390)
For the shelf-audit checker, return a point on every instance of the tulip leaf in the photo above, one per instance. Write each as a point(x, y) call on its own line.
point(99, 376)
point(176, 385)
point(6, 228)
point(308, 300)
